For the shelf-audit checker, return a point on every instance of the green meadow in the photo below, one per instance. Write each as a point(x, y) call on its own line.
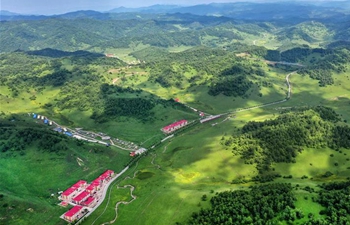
point(307, 92)
point(172, 178)
point(30, 182)
point(194, 163)
point(118, 74)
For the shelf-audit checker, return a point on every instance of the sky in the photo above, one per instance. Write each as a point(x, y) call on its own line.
point(49, 7)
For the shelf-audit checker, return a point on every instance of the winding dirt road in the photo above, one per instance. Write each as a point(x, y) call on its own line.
point(132, 188)
point(134, 197)
point(289, 94)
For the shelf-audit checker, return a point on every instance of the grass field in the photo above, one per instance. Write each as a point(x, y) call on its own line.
point(199, 98)
point(185, 168)
point(316, 162)
point(306, 92)
point(195, 164)
point(30, 182)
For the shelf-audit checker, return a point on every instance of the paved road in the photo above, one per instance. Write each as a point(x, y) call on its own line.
point(104, 193)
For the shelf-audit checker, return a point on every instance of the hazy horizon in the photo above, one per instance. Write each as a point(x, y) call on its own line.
point(49, 7)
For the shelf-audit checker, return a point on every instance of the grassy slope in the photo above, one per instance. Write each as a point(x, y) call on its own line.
point(191, 165)
point(307, 92)
point(188, 170)
point(26, 187)
point(195, 163)
point(127, 128)
point(198, 96)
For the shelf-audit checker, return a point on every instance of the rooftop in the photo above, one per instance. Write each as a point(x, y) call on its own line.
point(76, 209)
point(174, 124)
point(81, 196)
point(89, 200)
point(74, 187)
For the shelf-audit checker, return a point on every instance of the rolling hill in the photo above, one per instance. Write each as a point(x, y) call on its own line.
point(264, 88)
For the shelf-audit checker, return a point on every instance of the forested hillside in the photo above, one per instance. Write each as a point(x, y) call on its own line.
point(96, 31)
point(282, 139)
point(264, 88)
point(273, 203)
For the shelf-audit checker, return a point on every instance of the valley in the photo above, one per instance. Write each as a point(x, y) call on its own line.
point(265, 96)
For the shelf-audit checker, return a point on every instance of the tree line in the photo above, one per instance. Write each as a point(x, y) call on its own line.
point(262, 204)
point(281, 139)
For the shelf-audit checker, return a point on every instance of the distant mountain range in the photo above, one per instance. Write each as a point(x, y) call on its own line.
point(239, 10)
point(213, 25)
point(149, 9)
point(7, 13)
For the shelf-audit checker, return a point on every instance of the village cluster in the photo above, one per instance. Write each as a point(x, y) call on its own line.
point(89, 136)
point(84, 196)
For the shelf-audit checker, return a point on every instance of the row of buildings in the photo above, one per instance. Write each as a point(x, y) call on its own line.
point(46, 121)
point(83, 196)
point(138, 152)
point(174, 126)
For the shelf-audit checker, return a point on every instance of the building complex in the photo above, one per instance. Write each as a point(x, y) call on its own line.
point(83, 196)
point(174, 126)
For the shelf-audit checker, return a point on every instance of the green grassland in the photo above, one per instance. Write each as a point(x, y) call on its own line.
point(198, 97)
point(188, 170)
point(30, 180)
point(195, 163)
point(192, 164)
point(67, 99)
point(306, 92)
point(171, 179)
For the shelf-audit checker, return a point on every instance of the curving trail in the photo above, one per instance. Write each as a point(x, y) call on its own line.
point(134, 197)
point(289, 94)
point(109, 194)
point(289, 85)
point(152, 162)
point(132, 188)
point(104, 193)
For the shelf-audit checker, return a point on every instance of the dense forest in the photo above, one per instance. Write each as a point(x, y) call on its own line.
point(281, 139)
point(18, 139)
point(335, 198)
point(264, 204)
point(133, 107)
point(274, 203)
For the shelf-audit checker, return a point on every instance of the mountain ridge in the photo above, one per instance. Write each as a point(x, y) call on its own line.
point(236, 10)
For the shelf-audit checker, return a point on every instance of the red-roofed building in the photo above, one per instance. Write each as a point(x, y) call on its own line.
point(174, 126)
point(91, 188)
point(74, 214)
point(90, 202)
point(98, 183)
point(68, 194)
point(64, 204)
point(108, 173)
point(81, 197)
